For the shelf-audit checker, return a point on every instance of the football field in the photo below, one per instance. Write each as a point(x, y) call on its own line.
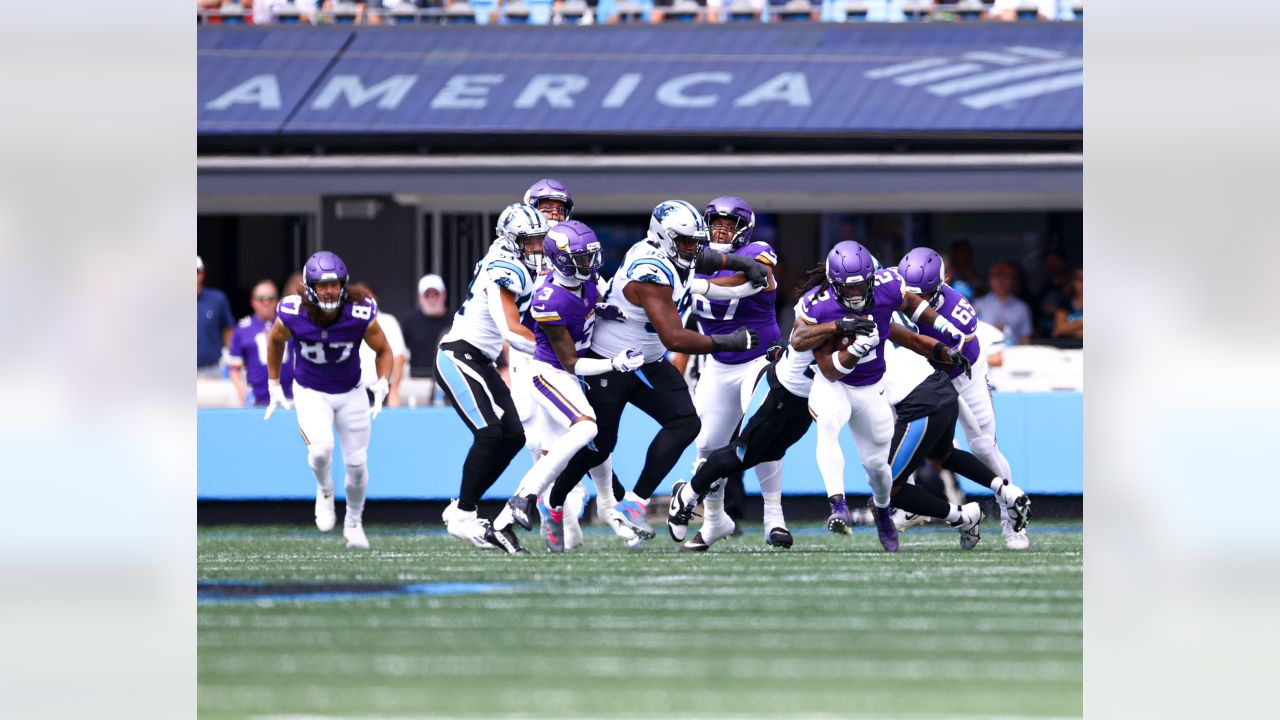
point(291, 623)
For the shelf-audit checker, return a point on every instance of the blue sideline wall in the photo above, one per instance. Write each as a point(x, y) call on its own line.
point(418, 453)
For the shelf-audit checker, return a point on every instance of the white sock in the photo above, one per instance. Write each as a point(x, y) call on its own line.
point(504, 519)
point(319, 457)
point(356, 481)
point(954, 515)
point(773, 510)
point(997, 484)
point(602, 476)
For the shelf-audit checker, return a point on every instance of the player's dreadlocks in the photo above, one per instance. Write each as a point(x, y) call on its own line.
point(816, 277)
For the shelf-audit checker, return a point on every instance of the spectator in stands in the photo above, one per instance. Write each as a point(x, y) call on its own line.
point(422, 331)
point(684, 11)
point(1008, 9)
point(964, 279)
point(1069, 320)
point(248, 361)
point(793, 10)
point(1051, 285)
point(368, 358)
point(214, 322)
point(1001, 308)
point(574, 12)
point(293, 286)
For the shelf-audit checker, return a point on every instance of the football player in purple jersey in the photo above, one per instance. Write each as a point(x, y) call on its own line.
point(849, 389)
point(723, 302)
point(327, 324)
point(248, 363)
point(925, 274)
point(564, 305)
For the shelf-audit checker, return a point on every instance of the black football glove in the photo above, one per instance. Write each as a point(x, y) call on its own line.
point(944, 355)
point(853, 325)
point(757, 275)
point(774, 353)
point(740, 339)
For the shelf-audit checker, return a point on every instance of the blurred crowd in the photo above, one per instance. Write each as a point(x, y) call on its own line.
point(590, 12)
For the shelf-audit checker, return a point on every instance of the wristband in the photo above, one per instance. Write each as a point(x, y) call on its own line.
point(835, 360)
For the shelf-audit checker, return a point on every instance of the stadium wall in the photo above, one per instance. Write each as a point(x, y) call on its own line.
point(417, 454)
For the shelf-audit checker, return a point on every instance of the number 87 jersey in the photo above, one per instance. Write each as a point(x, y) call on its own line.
point(328, 356)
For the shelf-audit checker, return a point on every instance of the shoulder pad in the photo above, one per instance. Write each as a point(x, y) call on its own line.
point(245, 321)
point(651, 270)
point(290, 305)
point(508, 273)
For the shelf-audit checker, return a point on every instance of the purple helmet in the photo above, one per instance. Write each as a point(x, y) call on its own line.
point(736, 209)
point(549, 189)
point(573, 251)
point(851, 270)
point(321, 267)
point(923, 271)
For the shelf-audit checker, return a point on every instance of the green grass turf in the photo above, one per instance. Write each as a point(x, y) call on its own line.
point(833, 627)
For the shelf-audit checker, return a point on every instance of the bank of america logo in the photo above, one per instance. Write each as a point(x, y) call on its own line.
point(984, 79)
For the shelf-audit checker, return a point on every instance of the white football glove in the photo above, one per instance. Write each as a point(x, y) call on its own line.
point(379, 390)
point(945, 327)
point(276, 398)
point(863, 344)
point(627, 361)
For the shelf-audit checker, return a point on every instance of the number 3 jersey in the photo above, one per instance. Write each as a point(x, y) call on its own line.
point(819, 306)
point(757, 312)
point(644, 262)
point(574, 310)
point(473, 323)
point(327, 357)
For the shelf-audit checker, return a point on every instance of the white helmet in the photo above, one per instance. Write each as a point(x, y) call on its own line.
point(518, 224)
point(679, 229)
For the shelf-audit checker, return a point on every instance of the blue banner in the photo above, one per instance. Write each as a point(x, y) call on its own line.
point(419, 453)
point(815, 79)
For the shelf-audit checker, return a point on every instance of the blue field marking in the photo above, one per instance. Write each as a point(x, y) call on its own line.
point(241, 592)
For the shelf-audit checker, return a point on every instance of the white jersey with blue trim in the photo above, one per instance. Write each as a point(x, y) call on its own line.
point(645, 262)
point(498, 270)
point(795, 369)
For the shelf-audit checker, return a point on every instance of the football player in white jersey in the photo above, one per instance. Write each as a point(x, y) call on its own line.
point(650, 289)
point(497, 297)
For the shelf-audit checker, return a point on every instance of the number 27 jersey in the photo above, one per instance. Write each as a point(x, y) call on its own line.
point(327, 356)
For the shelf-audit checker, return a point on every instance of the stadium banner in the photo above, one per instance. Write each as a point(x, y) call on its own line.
point(738, 79)
point(418, 453)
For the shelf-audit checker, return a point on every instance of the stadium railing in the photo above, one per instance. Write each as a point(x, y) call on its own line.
point(577, 12)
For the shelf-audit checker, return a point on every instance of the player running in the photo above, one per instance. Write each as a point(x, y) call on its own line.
point(466, 369)
point(849, 389)
point(924, 273)
point(327, 324)
point(563, 306)
point(649, 289)
point(723, 302)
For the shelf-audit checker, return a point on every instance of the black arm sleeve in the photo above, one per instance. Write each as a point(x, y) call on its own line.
point(711, 261)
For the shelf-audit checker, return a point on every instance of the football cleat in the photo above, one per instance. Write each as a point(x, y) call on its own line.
point(522, 509)
point(971, 517)
point(1013, 539)
point(355, 536)
point(553, 531)
point(632, 514)
point(466, 526)
point(839, 522)
point(619, 525)
point(505, 539)
point(779, 537)
point(885, 527)
point(326, 517)
point(1017, 506)
point(680, 511)
point(715, 527)
point(904, 520)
